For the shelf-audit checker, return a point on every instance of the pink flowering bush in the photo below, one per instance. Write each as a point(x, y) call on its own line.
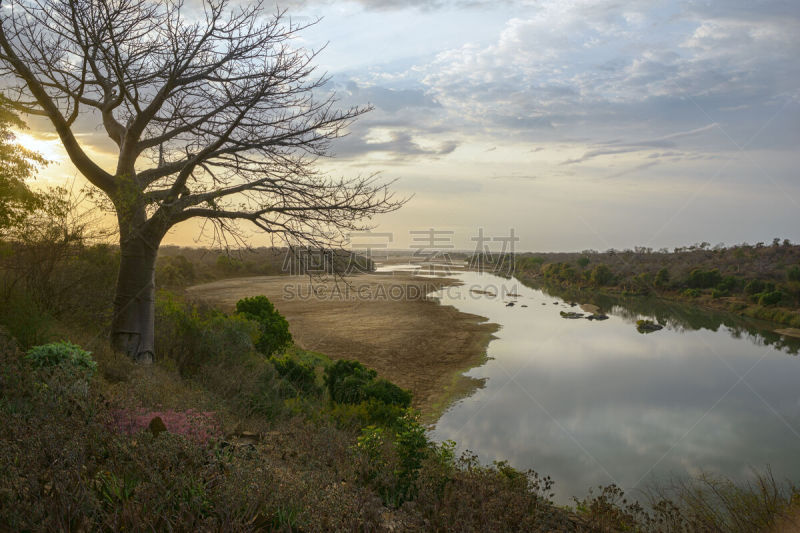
point(197, 426)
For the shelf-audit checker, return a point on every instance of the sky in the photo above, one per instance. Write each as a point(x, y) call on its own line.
point(575, 124)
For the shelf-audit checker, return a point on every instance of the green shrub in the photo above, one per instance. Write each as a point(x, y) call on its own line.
point(193, 336)
point(662, 278)
point(560, 272)
point(257, 392)
point(727, 284)
point(352, 382)
point(770, 298)
point(601, 276)
point(793, 273)
point(757, 286)
point(412, 448)
point(643, 281)
point(62, 354)
point(387, 392)
point(26, 320)
point(300, 375)
point(369, 413)
point(174, 271)
point(529, 263)
point(691, 293)
point(345, 379)
point(719, 293)
point(274, 328)
point(583, 262)
point(703, 279)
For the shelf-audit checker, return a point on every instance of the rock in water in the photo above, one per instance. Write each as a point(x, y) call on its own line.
point(647, 326)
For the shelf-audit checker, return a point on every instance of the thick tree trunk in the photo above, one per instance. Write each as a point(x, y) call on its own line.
point(133, 324)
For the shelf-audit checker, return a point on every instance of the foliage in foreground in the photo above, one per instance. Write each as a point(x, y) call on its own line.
point(289, 454)
point(62, 354)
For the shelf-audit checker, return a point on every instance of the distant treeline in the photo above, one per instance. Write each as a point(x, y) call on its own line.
point(758, 280)
point(181, 266)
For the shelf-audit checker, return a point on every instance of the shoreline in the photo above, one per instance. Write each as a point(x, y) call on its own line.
point(385, 321)
point(730, 305)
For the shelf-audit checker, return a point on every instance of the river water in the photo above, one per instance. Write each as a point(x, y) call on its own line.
point(596, 402)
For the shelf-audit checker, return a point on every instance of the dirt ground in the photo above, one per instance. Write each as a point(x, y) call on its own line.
point(383, 320)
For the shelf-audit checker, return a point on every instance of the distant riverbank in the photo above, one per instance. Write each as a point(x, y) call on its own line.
point(761, 282)
point(384, 321)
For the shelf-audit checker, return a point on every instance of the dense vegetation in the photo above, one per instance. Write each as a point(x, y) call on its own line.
point(236, 428)
point(761, 281)
point(221, 434)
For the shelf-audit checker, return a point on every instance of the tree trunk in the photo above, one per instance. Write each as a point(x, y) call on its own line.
point(133, 324)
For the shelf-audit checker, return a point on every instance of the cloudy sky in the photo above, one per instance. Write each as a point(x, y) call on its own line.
point(579, 124)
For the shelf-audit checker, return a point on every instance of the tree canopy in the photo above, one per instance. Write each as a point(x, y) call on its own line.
point(213, 111)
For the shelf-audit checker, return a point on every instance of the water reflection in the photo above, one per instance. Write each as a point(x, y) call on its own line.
point(682, 317)
point(597, 402)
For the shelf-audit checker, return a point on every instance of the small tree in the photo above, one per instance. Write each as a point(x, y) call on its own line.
point(214, 114)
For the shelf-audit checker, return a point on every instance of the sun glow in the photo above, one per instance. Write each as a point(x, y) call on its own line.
point(50, 148)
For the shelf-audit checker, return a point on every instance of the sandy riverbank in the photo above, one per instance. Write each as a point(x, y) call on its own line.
point(384, 321)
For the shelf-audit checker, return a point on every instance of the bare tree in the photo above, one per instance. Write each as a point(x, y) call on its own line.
point(214, 113)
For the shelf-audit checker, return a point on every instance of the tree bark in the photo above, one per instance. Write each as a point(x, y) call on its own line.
point(133, 323)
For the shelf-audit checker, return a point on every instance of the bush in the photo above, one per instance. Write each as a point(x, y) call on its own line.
point(387, 392)
point(601, 276)
point(274, 328)
point(175, 271)
point(691, 293)
point(583, 262)
point(719, 293)
point(703, 279)
point(393, 460)
point(62, 354)
point(26, 320)
point(193, 336)
point(412, 448)
point(757, 286)
point(351, 382)
point(345, 379)
point(532, 263)
point(727, 284)
point(770, 298)
point(369, 413)
point(662, 278)
point(793, 274)
point(300, 375)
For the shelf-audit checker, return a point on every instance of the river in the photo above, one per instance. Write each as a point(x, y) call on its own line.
point(596, 402)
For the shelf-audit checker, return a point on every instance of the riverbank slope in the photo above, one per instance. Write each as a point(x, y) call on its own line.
point(385, 321)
